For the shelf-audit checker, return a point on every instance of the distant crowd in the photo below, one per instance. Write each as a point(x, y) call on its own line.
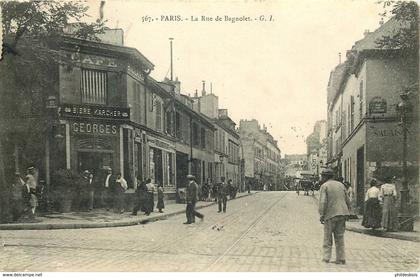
point(104, 190)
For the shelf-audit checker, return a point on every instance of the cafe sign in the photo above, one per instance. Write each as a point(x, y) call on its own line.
point(157, 143)
point(94, 128)
point(377, 105)
point(93, 60)
point(91, 111)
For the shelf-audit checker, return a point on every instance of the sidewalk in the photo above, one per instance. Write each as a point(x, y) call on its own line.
point(355, 225)
point(100, 218)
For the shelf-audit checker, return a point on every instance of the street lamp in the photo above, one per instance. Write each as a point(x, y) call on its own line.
point(404, 109)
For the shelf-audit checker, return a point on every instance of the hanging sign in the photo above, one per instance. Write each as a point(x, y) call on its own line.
point(377, 105)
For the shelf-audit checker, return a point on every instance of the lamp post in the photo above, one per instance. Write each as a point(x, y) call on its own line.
point(404, 108)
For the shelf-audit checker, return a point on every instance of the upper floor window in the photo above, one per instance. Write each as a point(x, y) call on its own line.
point(158, 116)
point(178, 128)
point(196, 140)
point(203, 138)
point(136, 110)
point(93, 86)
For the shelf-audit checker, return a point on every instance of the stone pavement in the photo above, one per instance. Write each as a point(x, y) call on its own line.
point(100, 218)
point(268, 231)
point(355, 225)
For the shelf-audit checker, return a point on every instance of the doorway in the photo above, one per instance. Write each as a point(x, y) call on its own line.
point(360, 179)
point(95, 162)
point(158, 168)
point(181, 169)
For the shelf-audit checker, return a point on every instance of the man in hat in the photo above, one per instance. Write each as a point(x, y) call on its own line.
point(17, 191)
point(191, 199)
point(82, 195)
point(108, 186)
point(222, 192)
point(120, 188)
point(88, 190)
point(334, 205)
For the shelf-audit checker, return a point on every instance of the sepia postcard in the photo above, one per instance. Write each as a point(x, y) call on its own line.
point(179, 136)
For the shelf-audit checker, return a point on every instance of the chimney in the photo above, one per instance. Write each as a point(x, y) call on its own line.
point(211, 88)
point(177, 84)
point(171, 57)
point(339, 57)
point(366, 32)
point(203, 92)
point(101, 10)
point(196, 93)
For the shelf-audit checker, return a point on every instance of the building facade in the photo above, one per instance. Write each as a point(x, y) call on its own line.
point(366, 134)
point(262, 156)
point(105, 111)
point(227, 162)
point(316, 148)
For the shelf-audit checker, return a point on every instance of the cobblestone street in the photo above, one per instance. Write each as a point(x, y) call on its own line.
point(269, 231)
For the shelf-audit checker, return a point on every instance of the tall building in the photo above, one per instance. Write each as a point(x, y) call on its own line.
point(261, 154)
point(364, 131)
point(227, 162)
point(316, 148)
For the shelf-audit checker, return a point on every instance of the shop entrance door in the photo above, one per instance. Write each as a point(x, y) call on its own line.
point(158, 161)
point(181, 169)
point(95, 162)
point(360, 180)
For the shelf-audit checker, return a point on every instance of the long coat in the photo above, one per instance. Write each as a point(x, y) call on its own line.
point(191, 192)
point(333, 200)
point(160, 203)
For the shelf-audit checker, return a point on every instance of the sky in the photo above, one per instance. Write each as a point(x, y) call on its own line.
point(274, 71)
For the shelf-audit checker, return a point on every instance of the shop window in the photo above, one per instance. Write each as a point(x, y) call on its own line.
point(94, 86)
point(170, 169)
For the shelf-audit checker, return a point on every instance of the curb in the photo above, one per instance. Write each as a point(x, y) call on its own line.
point(383, 234)
point(122, 223)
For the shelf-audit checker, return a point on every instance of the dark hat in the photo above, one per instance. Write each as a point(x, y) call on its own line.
point(327, 172)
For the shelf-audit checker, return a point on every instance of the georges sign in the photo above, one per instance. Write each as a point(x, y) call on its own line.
point(94, 128)
point(94, 111)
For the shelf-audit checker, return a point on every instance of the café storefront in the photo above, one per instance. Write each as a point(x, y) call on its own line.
point(94, 137)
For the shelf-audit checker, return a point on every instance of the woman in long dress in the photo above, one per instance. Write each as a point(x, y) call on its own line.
point(372, 214)
point(350, 193)
point(160, 204)
point(388, 194)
